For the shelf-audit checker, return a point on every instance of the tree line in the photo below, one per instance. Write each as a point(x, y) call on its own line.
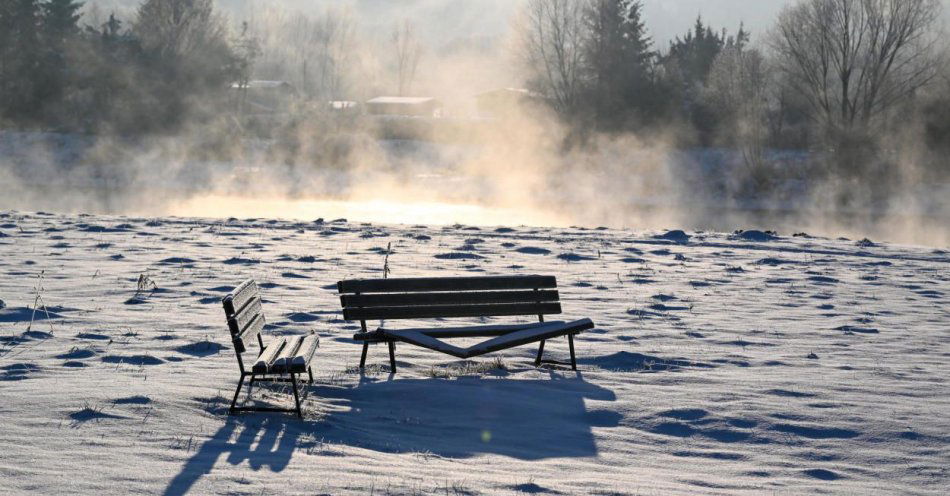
point(148, 74)
point(848, 78)
point(851, 79)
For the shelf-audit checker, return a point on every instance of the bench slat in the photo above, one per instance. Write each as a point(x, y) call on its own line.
point(420, 339)
point(250, 332)
point(483, 331)
point(406, 285)
point(239, 321)
point(445, 298)
point(286, 354)
point(510, 340)
point(301, 360)
point(449, 311)
point(526, 336)
point(263, 364)
point(238, 298)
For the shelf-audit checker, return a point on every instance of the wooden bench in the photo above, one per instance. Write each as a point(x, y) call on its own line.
point(290, 356)
point(454, 297)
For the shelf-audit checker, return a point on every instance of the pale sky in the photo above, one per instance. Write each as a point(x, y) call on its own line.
point(443, 20)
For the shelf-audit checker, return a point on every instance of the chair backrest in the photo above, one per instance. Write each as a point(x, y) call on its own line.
point(242, 308)
point(446, 297)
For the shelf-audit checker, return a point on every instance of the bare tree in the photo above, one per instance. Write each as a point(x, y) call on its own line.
point(247, 49)
point(180, 28)
point(335, 38)
point(552, 46)
point(408, 51)
point(854, 60)
point(739, 87)
point(316, 54)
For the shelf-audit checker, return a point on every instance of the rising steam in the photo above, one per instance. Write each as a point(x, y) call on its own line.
point(513, 170)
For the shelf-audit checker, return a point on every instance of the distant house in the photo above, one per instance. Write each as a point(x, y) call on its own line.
point(343, 106)
point(264, 97)
point(404, 106)
point(501, 102)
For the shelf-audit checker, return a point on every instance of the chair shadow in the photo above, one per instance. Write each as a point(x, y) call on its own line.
point(460, 418)
point(276, 440)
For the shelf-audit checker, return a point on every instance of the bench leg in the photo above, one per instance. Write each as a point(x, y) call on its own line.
point(537, 361)
point(570, 341)
point(310, 373)
point(293, 382)
point(392, 357)
point(236, 393)
point(363, 357)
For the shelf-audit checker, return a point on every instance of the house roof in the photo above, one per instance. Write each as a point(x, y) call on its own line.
point(402, 100)
point(262, 84)
point(342, 104)
point(510, 91)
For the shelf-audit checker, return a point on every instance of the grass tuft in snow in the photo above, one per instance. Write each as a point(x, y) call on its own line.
point(467, 369)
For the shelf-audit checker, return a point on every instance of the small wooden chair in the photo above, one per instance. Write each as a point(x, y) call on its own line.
point(281, 356)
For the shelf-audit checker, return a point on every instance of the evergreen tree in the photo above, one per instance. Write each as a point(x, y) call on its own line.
point(59, 31)
point(19, 61)
point(687, 66)
point(693, 55)
point(60, 21)
point(185, 43)
point(619, 61)
point(111, 29)
point(6, 51)
point(113, 77)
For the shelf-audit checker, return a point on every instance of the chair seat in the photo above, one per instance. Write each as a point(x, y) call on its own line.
point(298, 360)
point(283, 356)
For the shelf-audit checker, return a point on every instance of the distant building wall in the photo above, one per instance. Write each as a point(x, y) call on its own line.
point(264, 97)
point(404, 106)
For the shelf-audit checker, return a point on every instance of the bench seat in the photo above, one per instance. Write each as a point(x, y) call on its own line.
point(514, 336)
point(480, 331)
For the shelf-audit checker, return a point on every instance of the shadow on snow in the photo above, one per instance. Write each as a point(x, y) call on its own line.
point(524, 419)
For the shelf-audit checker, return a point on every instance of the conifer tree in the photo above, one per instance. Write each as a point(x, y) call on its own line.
point(59, 30)
point(618, 60)
point(19, 61)
point(60, 20)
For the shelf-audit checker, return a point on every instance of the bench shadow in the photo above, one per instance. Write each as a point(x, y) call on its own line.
point(263, 441)
point(459, 418)
point(524, 419)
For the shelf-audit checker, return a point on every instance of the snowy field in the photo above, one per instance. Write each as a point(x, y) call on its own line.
point(725, 364)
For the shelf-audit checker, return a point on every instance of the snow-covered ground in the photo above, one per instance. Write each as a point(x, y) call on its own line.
point(727, 364)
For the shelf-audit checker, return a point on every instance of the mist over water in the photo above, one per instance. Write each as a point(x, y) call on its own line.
point(624, 183)
point(511, 171)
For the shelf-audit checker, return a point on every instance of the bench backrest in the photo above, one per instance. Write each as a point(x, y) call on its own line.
point(446, 297)
point(242, 308)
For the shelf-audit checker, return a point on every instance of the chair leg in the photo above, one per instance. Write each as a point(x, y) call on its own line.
point(293, 382)
point(363, 357)
point(392, 357)
point(236, 393)
point(537, 361)
point(570, 341)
